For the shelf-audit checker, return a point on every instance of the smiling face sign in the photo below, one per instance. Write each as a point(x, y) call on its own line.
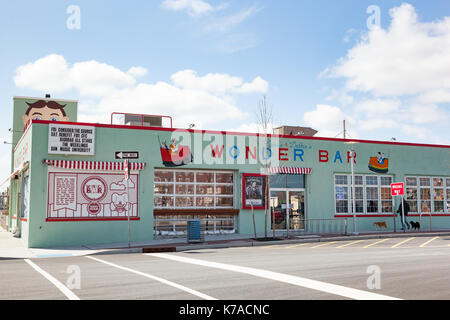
point(45, 110)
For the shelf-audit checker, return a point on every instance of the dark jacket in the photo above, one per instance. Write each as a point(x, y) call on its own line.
point(406, 208)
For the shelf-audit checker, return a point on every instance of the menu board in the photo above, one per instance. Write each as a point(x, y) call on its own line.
point(71, 139)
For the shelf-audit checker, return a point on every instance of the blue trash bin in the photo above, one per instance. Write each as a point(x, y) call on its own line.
point(194, 233)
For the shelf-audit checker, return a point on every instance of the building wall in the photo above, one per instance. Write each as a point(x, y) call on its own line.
point(325, 156)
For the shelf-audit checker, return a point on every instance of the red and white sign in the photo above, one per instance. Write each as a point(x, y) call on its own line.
point(397, 189)
point(78, 195)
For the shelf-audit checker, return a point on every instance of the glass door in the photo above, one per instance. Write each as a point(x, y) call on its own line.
point(297, 209)
point(287, 209)
point(278, 209)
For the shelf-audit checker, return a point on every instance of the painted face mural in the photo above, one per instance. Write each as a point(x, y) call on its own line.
point(45, 110)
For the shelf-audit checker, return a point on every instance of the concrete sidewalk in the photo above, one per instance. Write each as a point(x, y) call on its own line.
point(13, 248)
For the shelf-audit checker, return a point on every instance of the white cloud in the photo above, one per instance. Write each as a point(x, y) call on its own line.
point(193, 7)
point(409, 57)
point(228, 22)
point(184, 105)
point(428, 114)
point(53, 74)
point(218, 83)
point(203, 100)
point(252, 128)
point(378, 107)
point(47, 73)
point(399, 77)
point(328, 121)
point(137, 71)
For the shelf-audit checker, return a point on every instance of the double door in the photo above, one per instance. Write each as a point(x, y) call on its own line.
point(287, 209)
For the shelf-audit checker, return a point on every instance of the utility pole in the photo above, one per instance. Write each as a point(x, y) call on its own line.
point(345, 133)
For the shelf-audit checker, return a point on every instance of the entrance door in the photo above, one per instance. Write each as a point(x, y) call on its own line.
point(297, 208)
point(288, 209)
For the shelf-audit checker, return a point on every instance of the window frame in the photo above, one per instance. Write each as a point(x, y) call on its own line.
point(364, 185)
point(194, 183)
point(445, 189)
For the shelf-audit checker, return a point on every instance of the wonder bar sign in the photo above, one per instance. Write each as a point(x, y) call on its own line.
point(71, 139)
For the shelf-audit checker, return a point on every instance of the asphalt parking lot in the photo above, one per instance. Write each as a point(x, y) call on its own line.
point(390, 268)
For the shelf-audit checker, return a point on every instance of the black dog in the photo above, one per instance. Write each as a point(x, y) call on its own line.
point(415, 225)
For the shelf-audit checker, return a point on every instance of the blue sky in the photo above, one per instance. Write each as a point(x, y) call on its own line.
point(209, 62)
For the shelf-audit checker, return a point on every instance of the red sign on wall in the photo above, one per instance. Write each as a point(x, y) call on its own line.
point(397, 189)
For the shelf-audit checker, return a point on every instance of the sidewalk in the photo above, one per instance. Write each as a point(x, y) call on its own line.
point(13, 248)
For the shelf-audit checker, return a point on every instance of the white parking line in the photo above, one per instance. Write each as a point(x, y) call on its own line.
point(69, 294)
point(167, 282)
point(293, 280)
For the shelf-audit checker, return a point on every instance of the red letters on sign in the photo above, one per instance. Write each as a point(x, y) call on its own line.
point(216, 151)
point(283, 155)
point(323, 156)
point(349, 156)
point(247, 151)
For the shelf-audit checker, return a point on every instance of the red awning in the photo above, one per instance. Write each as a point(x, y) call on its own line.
point(289, 170)
point(94, 165)
point(22, 167)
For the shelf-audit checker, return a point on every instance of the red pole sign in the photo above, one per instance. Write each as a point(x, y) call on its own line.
point(126, 168)
point(397, 189)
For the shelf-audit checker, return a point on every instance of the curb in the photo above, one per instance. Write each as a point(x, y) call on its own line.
point(294, 241)
point(237, 244)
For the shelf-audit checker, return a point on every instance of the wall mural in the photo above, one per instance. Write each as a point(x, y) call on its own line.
point(92, 196)
point(379, 164)
point(45, 110)
point(175, 155)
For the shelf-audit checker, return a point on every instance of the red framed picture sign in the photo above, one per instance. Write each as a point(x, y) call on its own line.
point(253, 191)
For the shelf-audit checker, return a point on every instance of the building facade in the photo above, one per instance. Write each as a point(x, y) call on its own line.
point(68, 187)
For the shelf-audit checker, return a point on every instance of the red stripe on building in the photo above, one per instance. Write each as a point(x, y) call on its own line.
point(93, 165)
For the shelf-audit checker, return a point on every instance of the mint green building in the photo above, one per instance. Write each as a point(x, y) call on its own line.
point(68, 186)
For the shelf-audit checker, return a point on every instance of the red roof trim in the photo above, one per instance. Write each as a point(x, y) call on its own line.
point(101, 125)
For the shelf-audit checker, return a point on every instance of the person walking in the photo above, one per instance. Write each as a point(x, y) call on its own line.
point(405, 205)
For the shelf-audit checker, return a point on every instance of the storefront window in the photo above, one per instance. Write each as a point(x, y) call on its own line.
point(425, 195)
point(163, 176)
point(372, 194)
point(205, 177)
point(184, 176)
point(432, 194)
point(224, 177)
point(281, 180)
point(341, 194)
point(190, 189)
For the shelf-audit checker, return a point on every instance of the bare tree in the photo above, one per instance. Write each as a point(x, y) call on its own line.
point(265, 120)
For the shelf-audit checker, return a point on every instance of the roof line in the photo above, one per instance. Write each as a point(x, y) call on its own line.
point(41, 98)
point(117, 126)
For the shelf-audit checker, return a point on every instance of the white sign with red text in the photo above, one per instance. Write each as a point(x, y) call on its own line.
point(397, 189)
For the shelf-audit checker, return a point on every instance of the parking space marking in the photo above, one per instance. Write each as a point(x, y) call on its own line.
point(323, 244)
point(375, 243)
point(402, 242)
point(429, 241)
point(349, 244)
point(285, 278)
point(167, 282)
point(297, 245)
point(66, 291)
